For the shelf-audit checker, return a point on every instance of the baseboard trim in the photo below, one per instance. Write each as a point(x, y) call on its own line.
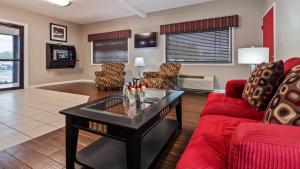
point(59, 83)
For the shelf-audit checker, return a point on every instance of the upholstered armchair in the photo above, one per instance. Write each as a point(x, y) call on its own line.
point(111, 76)
point(164, 79)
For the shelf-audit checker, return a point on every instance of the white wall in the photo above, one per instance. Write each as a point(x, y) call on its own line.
point(38, 36)
point(287, 27)
point(248, 34)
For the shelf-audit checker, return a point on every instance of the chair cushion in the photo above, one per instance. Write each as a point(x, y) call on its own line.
point(151, 74)
point(262, 84)
point(109, 82)
point(153, 82)
point(284, 108)
point(209, 144)
point(113, 69)
point(219, 104)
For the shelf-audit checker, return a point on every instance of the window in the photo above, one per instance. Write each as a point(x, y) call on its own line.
point(212, 47)
point(110, 51)
point(9, 61)
point(6, 53)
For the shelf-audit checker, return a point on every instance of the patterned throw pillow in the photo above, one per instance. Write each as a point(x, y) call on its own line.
point(262, 84)
point(284, 108)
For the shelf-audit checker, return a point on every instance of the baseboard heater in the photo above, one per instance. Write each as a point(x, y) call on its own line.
point(191, 82)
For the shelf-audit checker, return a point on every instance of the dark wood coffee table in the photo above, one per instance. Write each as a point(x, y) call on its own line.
point(133, 136)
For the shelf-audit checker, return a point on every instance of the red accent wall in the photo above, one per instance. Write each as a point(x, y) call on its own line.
point(268, 32)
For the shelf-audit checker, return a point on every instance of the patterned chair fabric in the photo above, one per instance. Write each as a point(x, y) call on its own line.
point(111, 76)
point(164, 79)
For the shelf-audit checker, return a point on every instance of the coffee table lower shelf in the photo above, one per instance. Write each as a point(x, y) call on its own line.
point(107, 153)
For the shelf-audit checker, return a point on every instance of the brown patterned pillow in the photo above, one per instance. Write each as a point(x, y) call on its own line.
point(284, 108)
point(262, 84)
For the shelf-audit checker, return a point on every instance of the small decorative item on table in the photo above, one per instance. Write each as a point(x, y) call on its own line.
point(135, 94)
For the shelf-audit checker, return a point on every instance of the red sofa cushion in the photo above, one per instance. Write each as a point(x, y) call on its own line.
point(219, 104)
point(234, 88)
point(290, 63)
point(260, 146)
point(209, 145)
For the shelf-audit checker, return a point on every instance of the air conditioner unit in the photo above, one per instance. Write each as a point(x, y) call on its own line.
point(196, 82)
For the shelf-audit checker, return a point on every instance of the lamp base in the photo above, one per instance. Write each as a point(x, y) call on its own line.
point(251, 68)
point(139, 72)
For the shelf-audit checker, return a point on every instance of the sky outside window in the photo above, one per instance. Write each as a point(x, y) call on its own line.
point(6, 50)
point(6, 44)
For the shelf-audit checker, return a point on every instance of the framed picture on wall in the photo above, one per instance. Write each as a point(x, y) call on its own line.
point(58, 32)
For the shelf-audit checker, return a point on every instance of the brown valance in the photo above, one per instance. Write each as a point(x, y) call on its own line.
point(116, 35)
point(201, 25)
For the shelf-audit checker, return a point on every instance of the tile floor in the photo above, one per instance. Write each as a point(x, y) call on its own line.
point(26, 114)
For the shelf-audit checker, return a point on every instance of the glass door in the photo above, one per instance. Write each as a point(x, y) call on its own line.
point(11, 56)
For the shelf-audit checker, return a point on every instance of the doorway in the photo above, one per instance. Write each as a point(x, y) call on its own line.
point(268, 32)
point(11, 56)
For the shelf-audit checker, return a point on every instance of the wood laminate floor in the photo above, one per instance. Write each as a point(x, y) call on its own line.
point(48, 151)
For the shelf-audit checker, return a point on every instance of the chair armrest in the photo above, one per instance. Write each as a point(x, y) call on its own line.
point(99, 73)
point(259, 146)
point(234, 88)
point(168, 75)
point(151, 74)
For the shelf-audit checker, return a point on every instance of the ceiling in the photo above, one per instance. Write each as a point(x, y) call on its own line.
point(88, 11)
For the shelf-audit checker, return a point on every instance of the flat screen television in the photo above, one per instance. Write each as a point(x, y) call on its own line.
point(144, 40)
point(62, 55)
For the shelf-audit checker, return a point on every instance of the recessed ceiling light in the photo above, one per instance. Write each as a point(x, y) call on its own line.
point(60, 2)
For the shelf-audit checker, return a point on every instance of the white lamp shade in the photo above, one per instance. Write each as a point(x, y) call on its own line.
point(253, 55)
point(139, 61)
point(60, 2)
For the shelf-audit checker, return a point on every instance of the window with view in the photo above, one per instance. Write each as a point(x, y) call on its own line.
point(110, 51)
point(9, 61)
point(6, 53)
point(211, 47)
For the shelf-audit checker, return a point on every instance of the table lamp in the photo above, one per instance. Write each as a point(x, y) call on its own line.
point(139, 62)
point(253, 56)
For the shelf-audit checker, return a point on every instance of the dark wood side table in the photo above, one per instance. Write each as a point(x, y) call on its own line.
point(127, 143)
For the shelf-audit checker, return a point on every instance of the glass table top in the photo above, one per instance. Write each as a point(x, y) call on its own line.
point(127, 107)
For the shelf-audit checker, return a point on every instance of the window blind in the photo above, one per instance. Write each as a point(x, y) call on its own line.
point(110, 51)
point(211, 47)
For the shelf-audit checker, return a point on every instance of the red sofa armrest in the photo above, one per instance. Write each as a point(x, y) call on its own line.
point(234, 88)
point(260, 146)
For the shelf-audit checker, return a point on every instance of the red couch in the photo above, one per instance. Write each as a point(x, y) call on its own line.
point(230, 134)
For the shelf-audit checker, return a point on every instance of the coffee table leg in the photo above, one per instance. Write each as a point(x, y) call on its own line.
point(133, 152)
point(71, 143)
point(179, 113)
